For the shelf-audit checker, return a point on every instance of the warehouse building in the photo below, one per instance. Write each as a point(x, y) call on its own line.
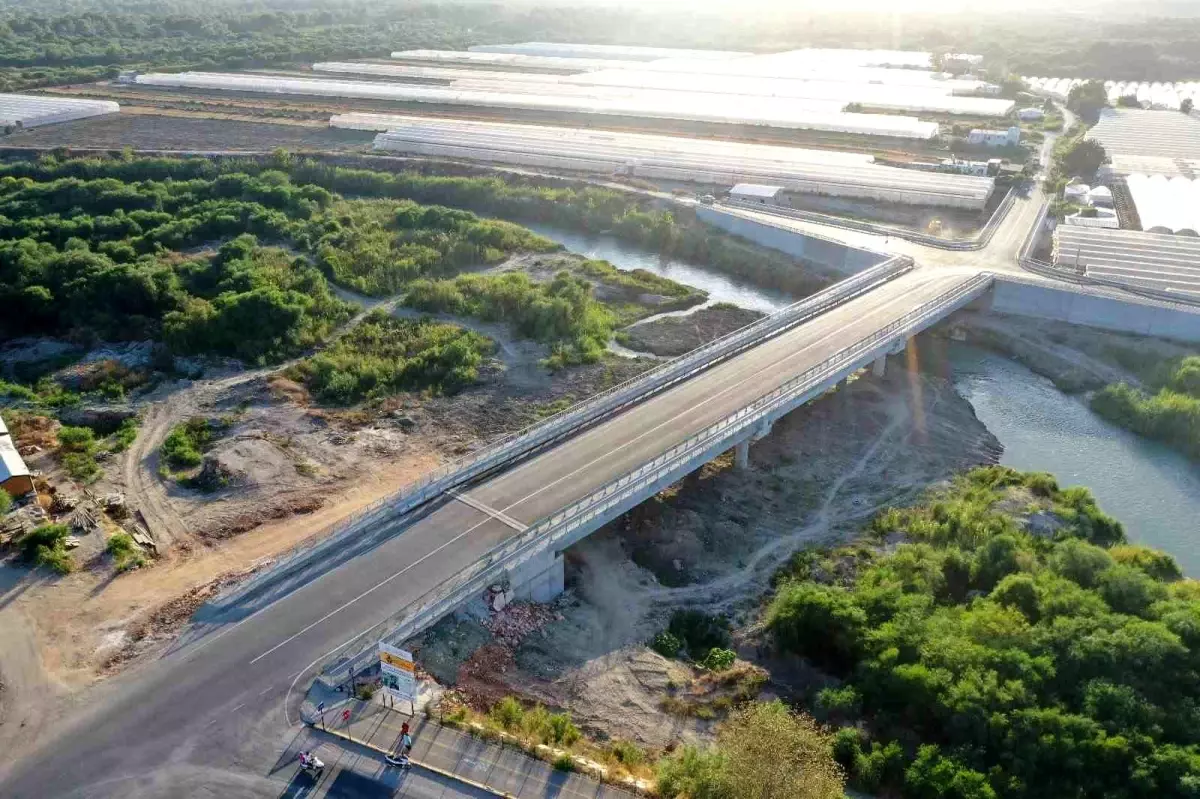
point(756, 193)
point(19, 111)
point(1134, 258)
point(995, 138)
point(14, 475)
point(673, 159)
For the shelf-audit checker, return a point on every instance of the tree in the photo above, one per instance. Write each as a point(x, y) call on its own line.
point(1083, 158)
point(1186, 105)
point(1128, 101)
point(1086, 99)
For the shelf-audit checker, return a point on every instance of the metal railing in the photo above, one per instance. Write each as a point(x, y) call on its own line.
point(519, 444)
point(981, 240)
point(662, 470)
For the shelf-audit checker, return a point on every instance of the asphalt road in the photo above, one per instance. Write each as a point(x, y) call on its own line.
point(216, 707)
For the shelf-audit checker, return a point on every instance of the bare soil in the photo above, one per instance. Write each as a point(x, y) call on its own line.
point(713, 542)
point(676, 335)
point(190, 134)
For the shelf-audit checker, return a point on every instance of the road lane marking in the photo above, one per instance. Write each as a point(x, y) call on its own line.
point(239, 707)
point(605, 456)
point(482, 508)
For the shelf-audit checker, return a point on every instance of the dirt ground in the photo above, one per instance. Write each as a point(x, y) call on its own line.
point(189, 133)
point(675, 335)
point(712, 542)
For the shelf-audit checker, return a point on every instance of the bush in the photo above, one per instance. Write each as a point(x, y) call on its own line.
point(627, 753)
point(718, 659)
point(699, 632)
point(77, 439)
point(564, 762)
point(666, 644)
point(46, 546)
point(562, 730)
point(125, 435)
point(124, 551)
point(692, 773)
point(821, 622)
point(844, 701)
point(186, 442)
point(507, 713)
point(6, 501)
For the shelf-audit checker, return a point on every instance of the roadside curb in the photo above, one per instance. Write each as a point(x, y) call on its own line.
point(448, 774)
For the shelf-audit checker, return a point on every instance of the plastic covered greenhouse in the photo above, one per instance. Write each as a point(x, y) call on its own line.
point(30, 111)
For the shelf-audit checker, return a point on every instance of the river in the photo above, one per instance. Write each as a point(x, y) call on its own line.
point(1152, 490)
point(720, 287)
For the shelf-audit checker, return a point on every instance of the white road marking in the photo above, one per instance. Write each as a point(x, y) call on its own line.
point(239, 707)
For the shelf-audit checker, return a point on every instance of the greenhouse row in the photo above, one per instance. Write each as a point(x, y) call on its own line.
point(1164, 134)
point(672, 158)
point(531, 63)
point(719, 109)
point(614, 51)
point(30, 111)
point(1146, 260)
point(1155, 95)
point(1122, 164)
point(1166, 205)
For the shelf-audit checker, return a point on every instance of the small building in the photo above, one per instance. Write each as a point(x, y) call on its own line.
point(995, 138)
point(756, 193)
point(1094, 217)
point(14, 475)
point(1077, 193)
point(1031, 114)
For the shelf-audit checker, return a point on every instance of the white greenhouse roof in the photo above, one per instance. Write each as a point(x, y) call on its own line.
point(674, 158)
point(615, 51)
point(691, 107)
point(1167, 134)
point(11, 464)
point(507, 60)
point(755, 190)
point(1124, 164)
point(3, 427)
point(1142, 260)
point(1166, 204)
point(1166, 96)
point(29, 111)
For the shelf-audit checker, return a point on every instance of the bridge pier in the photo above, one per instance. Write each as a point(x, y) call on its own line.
point(879, 368)
point(741, 455)
point(539, 579)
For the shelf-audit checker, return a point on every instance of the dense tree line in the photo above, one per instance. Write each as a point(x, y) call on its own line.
point(383, 355)
point(982, 656)
point(1169, 412)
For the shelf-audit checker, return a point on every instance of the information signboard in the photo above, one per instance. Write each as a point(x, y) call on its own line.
point(399, 677)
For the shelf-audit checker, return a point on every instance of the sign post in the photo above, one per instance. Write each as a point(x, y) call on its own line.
point(398, 675)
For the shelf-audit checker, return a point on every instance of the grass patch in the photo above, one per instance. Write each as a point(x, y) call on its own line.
point(184, 446)
point(77, 453)
point(125, 552)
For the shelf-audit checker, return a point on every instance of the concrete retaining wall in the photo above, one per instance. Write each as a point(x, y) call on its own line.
point(1066, 305)
point(826, 252)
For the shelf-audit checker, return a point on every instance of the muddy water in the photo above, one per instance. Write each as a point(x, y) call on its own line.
point(720, 287)
point(1154, 491)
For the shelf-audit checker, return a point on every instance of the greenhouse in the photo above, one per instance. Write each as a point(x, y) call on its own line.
point(1166, 205)
point(30, 111)
point(673, 158)
point(1165, 134)
point(1143, 260)
point(514, 61)
point(1122, 164)
point(692, 107)
point(613, 51)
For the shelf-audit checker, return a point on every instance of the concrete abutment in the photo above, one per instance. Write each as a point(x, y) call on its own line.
point(539, 579)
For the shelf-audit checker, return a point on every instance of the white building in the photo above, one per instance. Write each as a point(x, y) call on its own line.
point(756, 193)
point(995, 138)
point(1031, 114)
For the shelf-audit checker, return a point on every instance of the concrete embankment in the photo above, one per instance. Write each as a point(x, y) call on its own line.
point(827, 252)
point(1125, 315)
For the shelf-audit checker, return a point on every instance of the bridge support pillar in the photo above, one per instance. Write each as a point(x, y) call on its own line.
point(540, 579)
point(741, 455)
point(879, 368)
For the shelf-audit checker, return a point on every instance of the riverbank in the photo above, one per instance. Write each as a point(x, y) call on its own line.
point(677, 335)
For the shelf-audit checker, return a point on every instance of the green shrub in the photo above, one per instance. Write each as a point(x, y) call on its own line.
point(124, 551)
point(6, 501)
point(81, 466)
point(186, 442)
point(820, 622)
point(692, 772)
point(699, 632)
point(562, 730)
point(125, 435)
point(507, 713)
point(627, 753)
point(666, 644)
point(718, 659)
point(564, 762)
point(77, 439)
point(844, 701)
point(46, 546)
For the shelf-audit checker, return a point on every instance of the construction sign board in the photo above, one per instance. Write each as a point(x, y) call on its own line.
point(399, 676)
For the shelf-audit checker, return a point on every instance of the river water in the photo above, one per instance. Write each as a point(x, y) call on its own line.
point(720, 287)
point(1152, 490)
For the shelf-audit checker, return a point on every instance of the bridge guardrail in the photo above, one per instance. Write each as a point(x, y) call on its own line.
point(544, 534)
point(521, 443)
point(978, 243)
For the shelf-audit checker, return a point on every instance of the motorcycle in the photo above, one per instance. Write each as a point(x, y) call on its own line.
point(400, 761)
point(311, 765)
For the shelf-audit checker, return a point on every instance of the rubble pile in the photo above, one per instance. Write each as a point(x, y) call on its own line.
point(512, 622)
